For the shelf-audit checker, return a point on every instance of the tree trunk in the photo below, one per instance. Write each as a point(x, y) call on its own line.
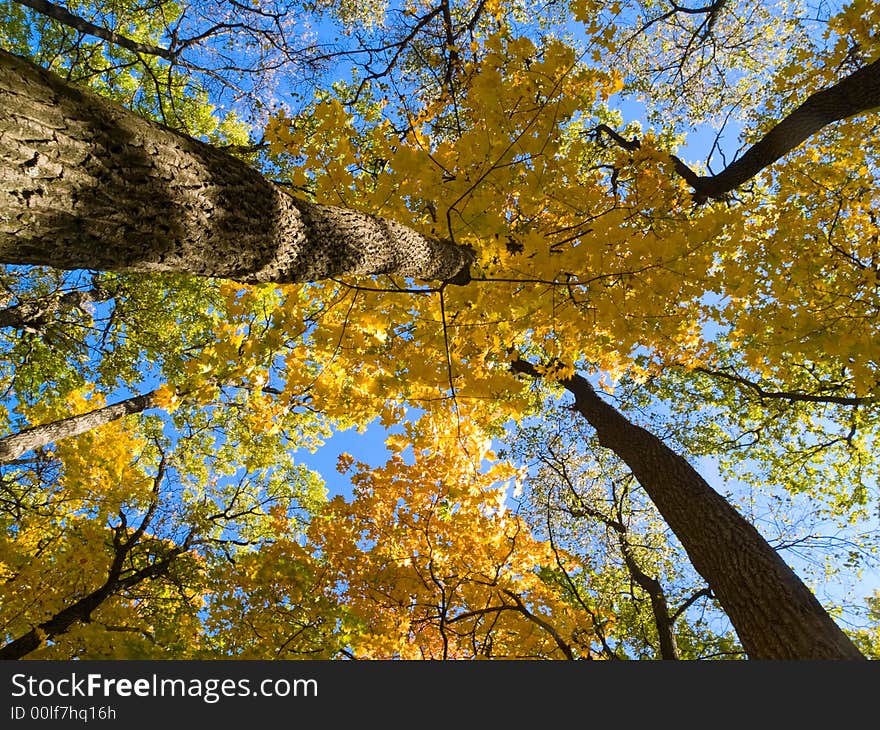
point(775, 615)
point(80, 612)
point(663, 621)
point(854, 94)
point(34, 315)
point(87, 184)
point(62, 15)
point(16, 444)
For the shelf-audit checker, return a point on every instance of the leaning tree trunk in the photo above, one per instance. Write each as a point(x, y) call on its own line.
point(775, 615)
point(121, 576)
point(16, 444)
point(87, 184)
point(80, 612)
point(663, 621)
point(35, 315)
point(855, 94)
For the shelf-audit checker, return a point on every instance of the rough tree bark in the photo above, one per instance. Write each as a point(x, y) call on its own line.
point(16, 444)
point(775, 615)
point(87, 184)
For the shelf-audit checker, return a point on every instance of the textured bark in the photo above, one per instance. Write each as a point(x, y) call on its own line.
point(775, 615)
point(28, 316)
point(87, 184)
point(16, 444)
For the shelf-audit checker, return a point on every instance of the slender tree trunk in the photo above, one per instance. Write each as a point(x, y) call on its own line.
point(34, 315)
point(119, 578)
point(775, 615)
point(855, 94)
point(62, 15)
point(16, 444)
point(80, 612)
point(87, 184)
point(663, 621)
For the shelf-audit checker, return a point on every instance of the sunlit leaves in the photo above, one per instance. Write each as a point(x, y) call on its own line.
point(751, 321)
point(432, 561)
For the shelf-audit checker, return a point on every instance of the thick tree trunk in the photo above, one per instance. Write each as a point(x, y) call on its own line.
point(87, 184)
point(775, 615)
point(16, 444)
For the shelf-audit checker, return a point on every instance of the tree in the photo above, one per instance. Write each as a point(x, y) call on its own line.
point(774, 613)
point(434, 566)
point(617, 257)
point(855, 94)
point(143, 551)
point(165, 59)
point(584, 501)
point(14, 445)
point(153, 172)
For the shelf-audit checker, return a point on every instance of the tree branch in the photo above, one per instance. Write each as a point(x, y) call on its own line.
point(853, 95)
point(28, 439)
point(789, 395)
point(62, 15)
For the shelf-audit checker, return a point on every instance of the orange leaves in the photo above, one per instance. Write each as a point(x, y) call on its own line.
point(266, 414)
point(586, 251)
point(431, 559)
point(273, 603)
point(166, 398)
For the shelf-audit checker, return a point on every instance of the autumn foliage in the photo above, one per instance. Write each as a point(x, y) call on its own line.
point(739, 327)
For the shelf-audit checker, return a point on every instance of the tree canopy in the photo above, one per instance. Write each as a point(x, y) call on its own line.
point(606, 273)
